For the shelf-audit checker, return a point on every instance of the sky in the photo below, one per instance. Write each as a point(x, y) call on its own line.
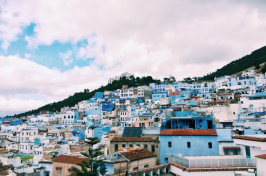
point(52, 49)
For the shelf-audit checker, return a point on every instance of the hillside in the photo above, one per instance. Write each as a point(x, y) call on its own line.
point(256, 57)
point(80, 96)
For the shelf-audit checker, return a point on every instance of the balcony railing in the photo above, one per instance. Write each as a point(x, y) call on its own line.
point(210, 163)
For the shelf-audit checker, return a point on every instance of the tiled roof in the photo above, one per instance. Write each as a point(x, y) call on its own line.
point(70, 159)
point(251, 138)
point(261, 156)
point(135, 139)
point(137, 154)
point(188, 132)
point(4, 151)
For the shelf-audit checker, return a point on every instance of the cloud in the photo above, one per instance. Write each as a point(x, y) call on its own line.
point(66, 57)
point(171, 37)
point(93, 49)
point(23, 80)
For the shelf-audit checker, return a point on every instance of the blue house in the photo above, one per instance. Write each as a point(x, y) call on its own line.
point(188, 142)
point(16, 122)
point(98, 95)
point(106, 106)
point(157, 96)
point(78, 134)
point(100, 130)
point(93, 111)
point(188, 120)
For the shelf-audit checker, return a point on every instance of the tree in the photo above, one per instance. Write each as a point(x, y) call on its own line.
point(93, 163)
point(263, 70)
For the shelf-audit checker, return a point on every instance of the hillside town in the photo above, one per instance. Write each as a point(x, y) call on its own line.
point(177, 128)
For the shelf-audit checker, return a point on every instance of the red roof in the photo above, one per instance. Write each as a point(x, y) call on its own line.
point(261, 156)
point(135, 139)
point(188, 132)
point(173, 93)
point(70, 159)
point(251, 138)
point(138, 154)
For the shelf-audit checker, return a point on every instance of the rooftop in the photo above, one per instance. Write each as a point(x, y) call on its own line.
point(259, 138)
point(261, 156)
point(188, 132)
point(135, 139)
point(70, 159)
point(213, 163)
point(137, 154)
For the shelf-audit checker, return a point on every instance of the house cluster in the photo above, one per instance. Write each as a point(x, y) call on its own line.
point(207, 128)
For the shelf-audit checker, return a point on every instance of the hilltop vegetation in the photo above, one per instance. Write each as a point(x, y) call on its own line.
point(256, 57)
point(86, 95)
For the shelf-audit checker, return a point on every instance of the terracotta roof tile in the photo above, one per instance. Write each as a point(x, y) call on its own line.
point(251, 138)
point(261, 156)
point(135, 139)
point(70, 159)
point(188, 132)
point(137, 154)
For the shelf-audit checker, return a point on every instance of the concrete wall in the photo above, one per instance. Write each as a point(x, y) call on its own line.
point(261, 163)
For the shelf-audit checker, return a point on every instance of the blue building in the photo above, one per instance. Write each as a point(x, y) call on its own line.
point(157, 96)
point(188, 142)
point(78, 134)
point(188, 120)
point(96, 110)
point(16, 122)
point(100, 130)
point(98, 95)
point(106, 106)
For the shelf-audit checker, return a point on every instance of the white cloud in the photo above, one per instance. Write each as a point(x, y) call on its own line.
point(158, 38)
point(27, 55)
point(23, 80)
point(66, 57)
point(93, 49)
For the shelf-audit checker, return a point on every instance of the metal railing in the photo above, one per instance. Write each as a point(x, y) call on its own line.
point(210, 163)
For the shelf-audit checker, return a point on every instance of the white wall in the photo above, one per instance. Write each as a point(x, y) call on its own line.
point(261, 163)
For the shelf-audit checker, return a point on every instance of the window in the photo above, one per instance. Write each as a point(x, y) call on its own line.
point(145, 166)
point(135, 168)
point(116, 147)
point(188, 145)
point(123, 145)
point(146, 146)
point(169, 144)
point(210, 144)
point(58, 172)
point(153, 148)
point(131, 145)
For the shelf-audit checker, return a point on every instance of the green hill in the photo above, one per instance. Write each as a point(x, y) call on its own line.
point(86, 95)
point(256, 57)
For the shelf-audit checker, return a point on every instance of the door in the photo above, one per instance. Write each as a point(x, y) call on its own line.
point(247, 148)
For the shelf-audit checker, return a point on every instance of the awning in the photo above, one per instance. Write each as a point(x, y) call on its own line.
point(231, 148)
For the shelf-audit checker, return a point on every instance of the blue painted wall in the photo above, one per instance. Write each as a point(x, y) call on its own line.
point(199, 146)
point(158, 96)
point(99, 131)
point(108, 106)
point(98, 95)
